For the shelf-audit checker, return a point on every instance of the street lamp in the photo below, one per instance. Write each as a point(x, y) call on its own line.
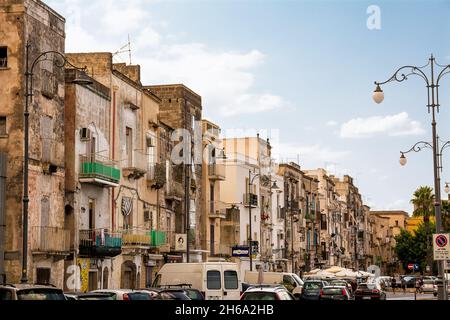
point(432, 85)
point(250, 183)
point(81, 79)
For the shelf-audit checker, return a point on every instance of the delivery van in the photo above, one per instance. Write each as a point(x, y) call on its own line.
point(216, 280)
point(291, 281)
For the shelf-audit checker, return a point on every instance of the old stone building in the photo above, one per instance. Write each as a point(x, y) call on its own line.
point(90, 176)
point(294, 221)
point(181, 109)
point(215, 211)
point(131, 152)
point(32, 22)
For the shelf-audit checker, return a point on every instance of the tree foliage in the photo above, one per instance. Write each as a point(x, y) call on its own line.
point(412, 247)
point(423, 201)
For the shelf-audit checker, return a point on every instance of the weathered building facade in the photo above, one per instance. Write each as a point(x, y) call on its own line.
point(32, 22)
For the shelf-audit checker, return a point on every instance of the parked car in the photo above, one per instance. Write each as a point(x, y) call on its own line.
point(193, 294)
point(89, 296)
point(334, 292)
point(428, 286)
point(312, 289)
point(410, 281)
point(215, 280)
point(342, 283)
point(118, 294)
point(30, 292)
point(267, 292)
point(370, 291)
point(290, 281)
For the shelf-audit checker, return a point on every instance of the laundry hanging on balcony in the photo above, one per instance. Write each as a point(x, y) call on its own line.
point(127, 206)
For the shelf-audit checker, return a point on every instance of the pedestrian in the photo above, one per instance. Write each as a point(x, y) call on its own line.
point(404, 285)
point(421, 284)
point(417, 285)
point(393, 284)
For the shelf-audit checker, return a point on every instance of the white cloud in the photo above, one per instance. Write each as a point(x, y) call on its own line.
point(393, 125)
point(224, 78)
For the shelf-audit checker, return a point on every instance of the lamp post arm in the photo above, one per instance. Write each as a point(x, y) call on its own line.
point(418, 147)
point(399, 76)
point(45, 56)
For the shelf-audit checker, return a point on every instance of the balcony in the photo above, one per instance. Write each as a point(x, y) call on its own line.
point(158, 238)
point(135, 166)
point(216, 172)
point(218, 213)
point(250, 200)
point(50, 241)
point(136, 238)
point(100, 243)
point(156, 175)
point(98, 170)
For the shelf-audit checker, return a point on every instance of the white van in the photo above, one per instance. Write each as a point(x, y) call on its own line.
point(292, 281)
point(216, 280)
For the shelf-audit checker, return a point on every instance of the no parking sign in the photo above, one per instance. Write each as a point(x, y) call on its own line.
point(441, 246)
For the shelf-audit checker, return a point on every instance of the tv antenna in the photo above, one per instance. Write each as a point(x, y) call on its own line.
point(125, 49)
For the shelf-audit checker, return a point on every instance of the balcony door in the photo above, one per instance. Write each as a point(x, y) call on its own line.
point(91, 214)
point(129, 145)
point(211, 239)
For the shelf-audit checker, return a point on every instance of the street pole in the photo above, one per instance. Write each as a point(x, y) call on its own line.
point(432, 85)
point(250, 221)
point(26, 200)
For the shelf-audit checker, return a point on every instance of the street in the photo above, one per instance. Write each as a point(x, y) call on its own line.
point(399, 295)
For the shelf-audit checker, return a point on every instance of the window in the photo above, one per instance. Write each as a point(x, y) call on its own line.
point(3, 57)
point(3, 131)
point(129, 145)
point(43, 276)
point(213, 280)
point(5, 294)
point(231, 280)
point(396, 223)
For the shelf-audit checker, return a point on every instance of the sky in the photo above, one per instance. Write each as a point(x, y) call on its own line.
point(299, 72)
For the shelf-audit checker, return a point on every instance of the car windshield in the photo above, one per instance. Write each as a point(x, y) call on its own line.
point(174, 295)
point(370, 286)
point(194, 294)
point(298, 280)
point(40, 294)
point(339, 283)
point(139, 296)
point(333, 291)
point(97, 297)
point(313, 285)
point(259, 296)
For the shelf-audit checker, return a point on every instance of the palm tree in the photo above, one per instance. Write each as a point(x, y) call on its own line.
point(423, 201)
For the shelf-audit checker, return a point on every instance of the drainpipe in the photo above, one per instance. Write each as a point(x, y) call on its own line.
point(113, 207)
point(2, 215)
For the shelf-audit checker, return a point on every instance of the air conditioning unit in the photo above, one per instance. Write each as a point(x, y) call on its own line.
point(85, 134)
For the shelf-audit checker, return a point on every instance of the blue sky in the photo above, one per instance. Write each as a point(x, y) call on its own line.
point(303, 68)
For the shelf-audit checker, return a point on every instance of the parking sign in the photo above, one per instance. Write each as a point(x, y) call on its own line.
point(441, 246)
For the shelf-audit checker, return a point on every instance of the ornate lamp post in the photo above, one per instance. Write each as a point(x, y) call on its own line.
point(59, 60)
point(432, 84)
